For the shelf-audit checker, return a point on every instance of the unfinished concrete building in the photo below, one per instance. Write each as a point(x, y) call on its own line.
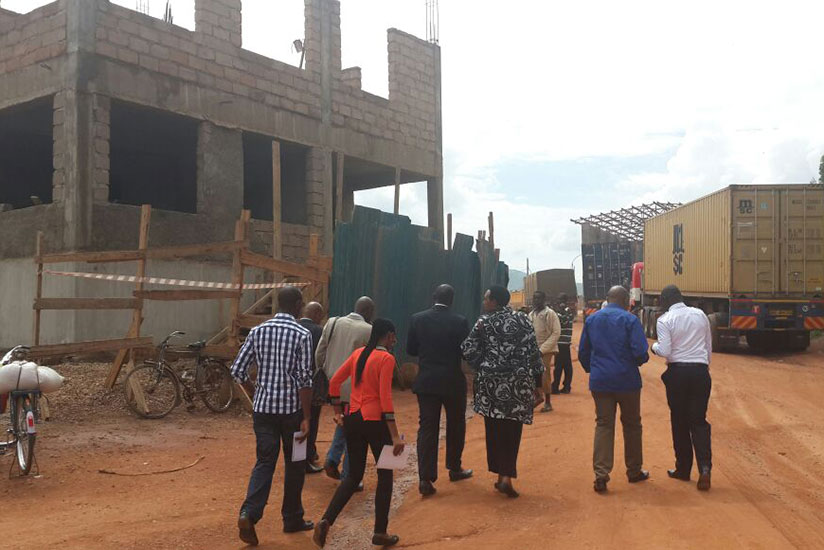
point(103, 109)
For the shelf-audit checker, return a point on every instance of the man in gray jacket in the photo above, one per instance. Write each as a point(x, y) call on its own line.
point(341, 336)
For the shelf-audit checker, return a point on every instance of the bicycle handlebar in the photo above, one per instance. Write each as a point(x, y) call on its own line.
point(175, 334)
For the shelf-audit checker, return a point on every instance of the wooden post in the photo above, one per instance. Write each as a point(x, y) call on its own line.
point(339, 166)
point(397, 191)
point(38, 293)
point(491, 230)
point(449, 231)
point(134, 390)
point(137, 314)
point(277, 207)
point(237, 278)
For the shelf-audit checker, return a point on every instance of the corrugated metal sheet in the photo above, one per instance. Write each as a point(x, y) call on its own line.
point(745, 239)
point(690, 247)
point(399, 265)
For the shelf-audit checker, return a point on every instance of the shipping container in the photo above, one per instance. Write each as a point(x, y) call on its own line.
point(606, 265)
point(553, 282)
point(751, 256)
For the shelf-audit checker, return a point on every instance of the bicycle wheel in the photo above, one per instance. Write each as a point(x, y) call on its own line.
point(214, 385)
point(25, 440)
point(160, 389)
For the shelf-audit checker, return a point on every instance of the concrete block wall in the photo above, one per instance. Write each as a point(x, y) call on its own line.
point(413, 66)
point(100, 133)
point(219, 19)
point(31, 38)
point(352, 76)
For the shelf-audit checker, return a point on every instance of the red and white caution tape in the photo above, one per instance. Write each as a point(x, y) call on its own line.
point(170, 282)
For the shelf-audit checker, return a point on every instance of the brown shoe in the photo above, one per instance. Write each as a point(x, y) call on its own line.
point(507, 489)
point(246, 529)
point(331, 470)
point(704, 481)
point(643, 475)
point(600, 485)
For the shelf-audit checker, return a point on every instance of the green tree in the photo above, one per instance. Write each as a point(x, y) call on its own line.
point(821, 170)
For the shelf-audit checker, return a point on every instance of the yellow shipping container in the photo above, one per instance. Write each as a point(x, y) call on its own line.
point(741, 241)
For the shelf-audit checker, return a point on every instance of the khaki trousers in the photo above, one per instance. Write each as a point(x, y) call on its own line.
point(602, 456)
point(546, 378)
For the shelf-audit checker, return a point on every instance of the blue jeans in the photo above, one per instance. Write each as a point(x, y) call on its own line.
point(337, 450)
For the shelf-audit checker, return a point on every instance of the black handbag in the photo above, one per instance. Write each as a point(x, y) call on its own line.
point(320, 382)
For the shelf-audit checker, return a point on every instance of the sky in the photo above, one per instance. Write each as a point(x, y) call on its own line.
point(554, 110)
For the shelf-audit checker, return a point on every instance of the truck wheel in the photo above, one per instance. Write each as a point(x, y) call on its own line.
point(798, 340)
point(759, 341)
point(716, 334)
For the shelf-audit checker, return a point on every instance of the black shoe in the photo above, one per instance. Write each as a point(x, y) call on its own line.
point(459, 475)
point(555, 391)
point(643, 475)
point(299, 527)
point(675, 474)
point(321, 530)
point(312, 468)
point(425, 488)
point(382, 539)
point(246, 529)
point(331, 470)
point(507, 489)
point(359, 488)
point(704, 480)
point(566, 390)
point(600, 485)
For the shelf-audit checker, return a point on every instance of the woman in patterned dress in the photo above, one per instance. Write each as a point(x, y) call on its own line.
point(503, 353)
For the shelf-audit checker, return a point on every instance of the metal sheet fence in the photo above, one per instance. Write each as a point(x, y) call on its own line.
point(399, 265)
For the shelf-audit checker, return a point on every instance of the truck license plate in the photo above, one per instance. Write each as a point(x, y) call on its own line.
point(781, 312)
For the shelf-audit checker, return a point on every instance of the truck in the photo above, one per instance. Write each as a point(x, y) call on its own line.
point(750, 256)
point(605, 264)
point(552, 282)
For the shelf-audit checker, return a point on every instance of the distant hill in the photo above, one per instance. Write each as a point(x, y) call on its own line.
point(516, 279)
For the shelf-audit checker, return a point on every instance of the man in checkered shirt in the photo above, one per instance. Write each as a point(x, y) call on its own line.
point(282, 350)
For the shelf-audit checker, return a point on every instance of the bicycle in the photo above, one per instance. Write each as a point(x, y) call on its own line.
point(24, 413)
point(163, 388)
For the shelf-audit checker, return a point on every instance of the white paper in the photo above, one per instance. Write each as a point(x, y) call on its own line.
point(299, 448)
point(388, 460)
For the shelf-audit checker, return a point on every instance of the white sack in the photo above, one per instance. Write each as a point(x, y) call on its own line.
point(22, 375)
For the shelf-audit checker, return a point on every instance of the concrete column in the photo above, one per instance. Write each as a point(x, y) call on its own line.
point(434, 197)
point(101, 112)
point(219, 172)
point(320, 189)
point(220, 19)
point(73, 127)
point(323, 49)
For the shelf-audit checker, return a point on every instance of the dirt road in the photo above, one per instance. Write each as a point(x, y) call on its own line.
point(768, 483)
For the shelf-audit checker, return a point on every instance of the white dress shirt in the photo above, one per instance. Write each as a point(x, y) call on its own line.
point(684, 336)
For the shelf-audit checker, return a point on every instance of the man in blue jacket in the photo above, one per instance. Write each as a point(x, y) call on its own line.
point(612, 348)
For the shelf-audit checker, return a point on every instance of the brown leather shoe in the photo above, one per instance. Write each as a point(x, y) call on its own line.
point(246, 529)
point(600, 485)
point(704, 481)
point(507, 489)
point(331, 470)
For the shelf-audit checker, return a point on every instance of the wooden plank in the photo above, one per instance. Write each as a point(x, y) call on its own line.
point(220, 336)
point(137, 314)
point(89, 347)
point(38, 292)
point(237, 276)
point(286, 268)
point(222, 352)
point(277, 214)
point(193, 294)
point(168, 252)
point(135, 390)
point(397, 191)
point(491, 230)
point(84, 303)
point(251, 321)
point(245, 400)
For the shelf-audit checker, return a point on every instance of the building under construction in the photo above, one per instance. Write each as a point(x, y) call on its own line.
point(104, 109)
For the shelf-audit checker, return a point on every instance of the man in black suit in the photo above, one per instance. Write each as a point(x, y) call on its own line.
point(435, 337)
point(313, 315)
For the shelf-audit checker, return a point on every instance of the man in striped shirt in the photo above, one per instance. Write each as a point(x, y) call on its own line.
point(563, 359)
point(282, 350)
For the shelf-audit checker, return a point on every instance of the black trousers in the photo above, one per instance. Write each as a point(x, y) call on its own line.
point(362, 435)
point(503, 439)
point(429, 429)
point(314, 424)
point(272, 431)
point(563, 365)
point(688, 393)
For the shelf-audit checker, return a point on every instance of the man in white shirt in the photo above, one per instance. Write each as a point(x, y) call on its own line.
point(685, 341)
